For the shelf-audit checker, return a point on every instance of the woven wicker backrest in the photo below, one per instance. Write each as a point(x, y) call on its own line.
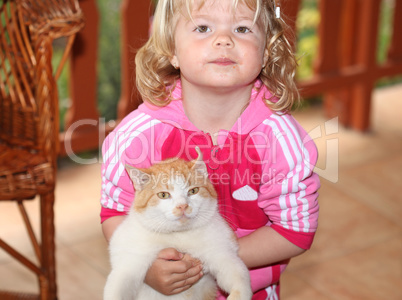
point(28, 93)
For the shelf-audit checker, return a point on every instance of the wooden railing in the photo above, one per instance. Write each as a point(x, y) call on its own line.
point(346, 67)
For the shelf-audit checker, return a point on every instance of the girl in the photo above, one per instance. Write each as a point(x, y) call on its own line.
point(219, 75)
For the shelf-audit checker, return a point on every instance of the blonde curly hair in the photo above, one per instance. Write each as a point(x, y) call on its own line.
point(156, 76)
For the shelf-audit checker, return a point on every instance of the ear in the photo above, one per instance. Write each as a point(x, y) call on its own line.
point(175, 62)
point(266, 57)
point(139, 178)
point(199, 165)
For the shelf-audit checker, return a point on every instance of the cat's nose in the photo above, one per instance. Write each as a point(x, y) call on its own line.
point(182, 207)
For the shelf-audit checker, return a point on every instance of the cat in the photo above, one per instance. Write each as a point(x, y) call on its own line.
point(175, 206)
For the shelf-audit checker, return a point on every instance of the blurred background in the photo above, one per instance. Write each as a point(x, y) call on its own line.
point(350, 76)
point(109, 51)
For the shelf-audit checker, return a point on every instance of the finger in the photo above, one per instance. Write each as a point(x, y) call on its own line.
point(189, 277)
point(170, 254)
point(181, 280)
point(191, 259)
point(184, 281)
point(174, 271)
point(181, 289)
point(177, 266)
point(190, 282)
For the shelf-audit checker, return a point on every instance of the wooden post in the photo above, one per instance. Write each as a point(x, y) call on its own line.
point(83, 81)
point(367, 58)
point(82, 118)
point(329, 56)
point(48, 259)
point(348, 44)
point(135, 32)
point(328, 60)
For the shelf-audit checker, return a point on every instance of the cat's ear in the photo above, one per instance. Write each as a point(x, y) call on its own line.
point(138, 177)
point(199, 164)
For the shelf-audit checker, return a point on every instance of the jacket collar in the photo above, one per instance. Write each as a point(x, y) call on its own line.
point(173, 113)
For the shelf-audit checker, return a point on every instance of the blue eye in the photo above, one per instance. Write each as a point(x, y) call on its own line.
point(242, 29)
point(202, 29)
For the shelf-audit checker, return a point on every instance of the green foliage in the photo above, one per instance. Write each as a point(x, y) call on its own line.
point(307, 44)
point(109, 67)
point(385, 29)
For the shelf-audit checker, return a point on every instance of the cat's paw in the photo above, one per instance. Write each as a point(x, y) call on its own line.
point(240, 295)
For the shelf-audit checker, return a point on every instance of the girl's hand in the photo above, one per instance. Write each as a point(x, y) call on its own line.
point(173, 272)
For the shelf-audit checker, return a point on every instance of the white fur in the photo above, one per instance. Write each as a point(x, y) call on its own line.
point(205, 235)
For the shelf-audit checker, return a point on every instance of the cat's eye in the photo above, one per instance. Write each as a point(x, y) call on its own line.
point(163, 195)
point(193, 191)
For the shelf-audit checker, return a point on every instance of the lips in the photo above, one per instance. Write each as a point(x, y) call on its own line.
point(223, 61)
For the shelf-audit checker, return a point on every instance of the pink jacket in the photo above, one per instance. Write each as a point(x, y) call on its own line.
point(262, 170)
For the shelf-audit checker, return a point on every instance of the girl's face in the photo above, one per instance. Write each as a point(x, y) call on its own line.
point(218, 48)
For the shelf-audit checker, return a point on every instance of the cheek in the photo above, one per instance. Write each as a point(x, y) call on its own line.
point(200, 204)
point(255, 55)
point(252, 47)
point(154, 201)
point(195, 203)
point(165, 205)
point(145, 201)
point(190, 55)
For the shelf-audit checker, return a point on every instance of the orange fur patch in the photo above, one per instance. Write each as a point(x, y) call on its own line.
point(210, 295)
point(161, 173)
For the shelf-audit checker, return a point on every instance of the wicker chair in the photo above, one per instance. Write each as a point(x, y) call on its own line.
point(29, 121)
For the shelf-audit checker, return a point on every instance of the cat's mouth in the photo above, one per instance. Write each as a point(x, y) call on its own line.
point(183, 213)
point(183, 219)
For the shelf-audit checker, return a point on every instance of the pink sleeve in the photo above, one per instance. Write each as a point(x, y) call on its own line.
point(130, 143)
point(288, 193)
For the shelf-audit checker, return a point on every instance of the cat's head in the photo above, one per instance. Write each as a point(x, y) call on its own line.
point(173, 195)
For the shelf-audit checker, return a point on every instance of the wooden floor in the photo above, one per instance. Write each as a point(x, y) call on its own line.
point(357, 253)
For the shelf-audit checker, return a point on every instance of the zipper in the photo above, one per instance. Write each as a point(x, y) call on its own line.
point(213, 161)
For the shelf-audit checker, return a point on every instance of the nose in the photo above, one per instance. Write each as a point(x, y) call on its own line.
point(182, 207)
point(223, 40)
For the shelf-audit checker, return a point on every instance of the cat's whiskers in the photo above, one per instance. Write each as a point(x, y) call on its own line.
point(226, 216)
point(224, 206)
point(159, 223)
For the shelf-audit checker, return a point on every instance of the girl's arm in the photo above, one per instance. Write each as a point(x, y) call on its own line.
point(110, 225)
point(288, 195)
point(265, 246)
point(171, 273)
